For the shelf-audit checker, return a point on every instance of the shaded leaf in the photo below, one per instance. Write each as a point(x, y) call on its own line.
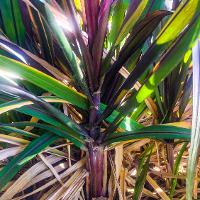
point(154, 132)
point(79, 142)
point(142, 172)
point(132, 20)
point(11, 21)
point(36, 146)
point(176, 168)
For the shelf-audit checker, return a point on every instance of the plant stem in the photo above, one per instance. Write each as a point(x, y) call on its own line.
point(94, 109)
point(96, 170)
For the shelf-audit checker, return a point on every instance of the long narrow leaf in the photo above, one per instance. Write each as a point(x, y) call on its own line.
point(176, 168)
point(62, 40)
point(154, 132)
point(57, 114)
point(44, 81)
point(79, 142)
point(11, 169)
point(142, 172)
point(132, 20)
point(31, 59)
point(91, 11)
point(98, 45)
point(87, 58)
point(23, 106)
point(141, 32)
point(168, 62)
point(166, 36)
point(118, 13)
point(174, 55)
point(12, 21)
point(16, 130)
point(137, 37)
point(195, 138)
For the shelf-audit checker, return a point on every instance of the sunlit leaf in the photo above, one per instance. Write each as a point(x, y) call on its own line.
point(195, 136)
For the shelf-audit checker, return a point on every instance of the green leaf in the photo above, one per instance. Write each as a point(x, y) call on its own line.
point(78, 73)
point(195, 138)
point(44, 35)
point(27, 107)
point(133, 15)
point(23, 106)
point(138, 111)
point(155, 132)
point(12, 24)
point(142, 172)
point(187, 11)
point(127, 124)
point(187, 89)
point(69, 125)
point(59, 131)
point(140, 33)
point(168, 62)
point(133, 19)
point(33, 60)
point(43, 81)
point(157, 5)
point(75, 136)
point(176, 168)
point(16, 130)
point(118, 13)
point(35, 147)
point(171, 59)
point(167, 35)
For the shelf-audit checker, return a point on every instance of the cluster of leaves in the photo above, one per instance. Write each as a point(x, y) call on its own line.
point(86, 71)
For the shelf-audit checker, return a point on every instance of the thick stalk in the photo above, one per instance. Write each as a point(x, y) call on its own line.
point(94, 109)
point(95, 152)
point(96, 170)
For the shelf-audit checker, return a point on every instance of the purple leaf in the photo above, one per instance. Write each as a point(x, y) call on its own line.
point(25, 17)
point(84, 49)
point(132, 7)
point(97, 50)
point(91, 11)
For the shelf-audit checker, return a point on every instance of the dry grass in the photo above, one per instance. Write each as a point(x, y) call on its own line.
point(59, 172)
point(54, 177)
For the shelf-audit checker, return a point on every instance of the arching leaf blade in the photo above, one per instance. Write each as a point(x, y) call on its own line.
point(43, 81)
point(35, 147)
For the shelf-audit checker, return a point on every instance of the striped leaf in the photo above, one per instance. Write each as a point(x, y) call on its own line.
point(35, 147)
point(158, 132)
point(44, 81)
point(195, 137)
